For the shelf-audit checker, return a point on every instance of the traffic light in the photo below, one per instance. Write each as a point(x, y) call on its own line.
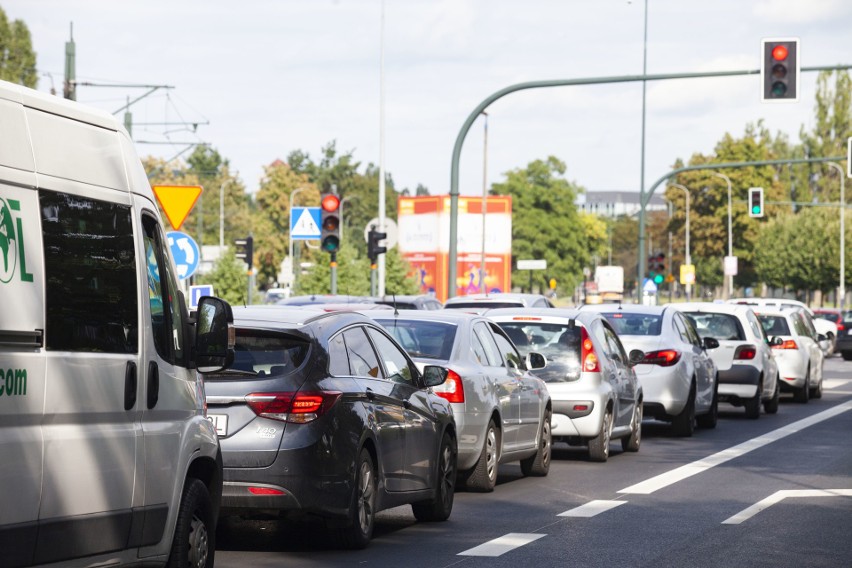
point(373, 247)
point(659, 268)
point(780, 70)
point(330, 222)
point(755, 202)
point(245, 250)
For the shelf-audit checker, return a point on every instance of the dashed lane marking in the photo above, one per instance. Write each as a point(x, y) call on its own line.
point(502, 545)
point(591, 508)
point(779, 496)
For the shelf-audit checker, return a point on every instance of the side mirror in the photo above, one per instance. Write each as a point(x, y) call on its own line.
point(710, 343)
point(635, 357)
point(775, 341)
point(433, 375)
point(536, 360)
point(214, 335)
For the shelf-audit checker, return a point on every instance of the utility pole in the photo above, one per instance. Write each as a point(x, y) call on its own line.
point(69, 89)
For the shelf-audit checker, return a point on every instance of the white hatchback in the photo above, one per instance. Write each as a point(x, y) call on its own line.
point(795, 343)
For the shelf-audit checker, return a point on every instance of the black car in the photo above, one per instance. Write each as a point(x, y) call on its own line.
point(325, 414)
point(406, 302)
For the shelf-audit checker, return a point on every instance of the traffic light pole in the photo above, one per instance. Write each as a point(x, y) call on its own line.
point(452, 271)
point(333, 265)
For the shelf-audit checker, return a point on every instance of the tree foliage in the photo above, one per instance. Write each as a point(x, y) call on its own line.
point(229, 279)
point(17, 58)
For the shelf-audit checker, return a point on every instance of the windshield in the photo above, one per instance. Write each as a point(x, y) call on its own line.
point(429, 339)
point(718, 326)
point(635, 324)
point(774, 325)
point(560, 343)
point(264, 354)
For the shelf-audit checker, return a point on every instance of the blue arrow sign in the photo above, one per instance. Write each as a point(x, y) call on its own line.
point(185, 252)
point(305, 223)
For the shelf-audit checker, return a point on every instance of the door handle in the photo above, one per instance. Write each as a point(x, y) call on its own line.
point(153, 384)
point(130, 385)
point(370, 394)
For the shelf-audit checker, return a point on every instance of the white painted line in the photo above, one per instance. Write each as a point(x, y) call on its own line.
point(779, 496)
point(502, 545)
point(834, 383)
point(678, 474)
point(591, 508)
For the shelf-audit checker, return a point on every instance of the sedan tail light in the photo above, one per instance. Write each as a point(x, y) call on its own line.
point(745, 352)
point(788, 344)
point(294, 407)
point(663, 357)
point(840, 326)
point(587, 353)
point(452, 389)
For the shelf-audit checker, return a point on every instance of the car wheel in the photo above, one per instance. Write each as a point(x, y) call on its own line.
point(752, 405)
point(631, 442)
point(439, 508)
point(599, 445)
point(362, 509)
point(483, 476)
point(771, 405)
point(803, 393)
point(847, 355)
point(683, 425)
point(816, 392)
point(710, 419)
point(538, 464)
point(195, 532)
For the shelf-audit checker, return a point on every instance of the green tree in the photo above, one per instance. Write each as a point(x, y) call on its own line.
point(229, 280)
point(398, 275)
point(17, 58)
point(353, 274)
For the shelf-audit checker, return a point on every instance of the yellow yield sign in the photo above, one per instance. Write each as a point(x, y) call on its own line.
point(177, 201)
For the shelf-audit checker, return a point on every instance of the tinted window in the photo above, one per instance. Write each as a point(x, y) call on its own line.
point(262, 354)
point(718, 326)
point(433, 340)
point(482, 305)
point(478, 349)
point(510, 354)
point(90, 272)
point(616, 350)
point(487, 340)
point(394, 360)
point(635, 324)
point(774, 325)
point(338, 360)
point(362, 358)
point(166, 310)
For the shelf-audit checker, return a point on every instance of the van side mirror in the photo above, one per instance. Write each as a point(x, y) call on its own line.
point(433, 375)
point(536, 360)
point(214, 335)
point(710, 342)
point(635, 357)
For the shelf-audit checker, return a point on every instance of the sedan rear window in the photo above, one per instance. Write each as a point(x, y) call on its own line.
point(719, 326)
point(262, 354)
point(774, 325)
point(428, 339)
point(482, 305)
point(635, 324)
point(558, 342)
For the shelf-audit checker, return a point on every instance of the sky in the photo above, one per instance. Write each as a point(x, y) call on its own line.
point(262, 78)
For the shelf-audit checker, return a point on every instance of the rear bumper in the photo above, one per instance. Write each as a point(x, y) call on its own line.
point(738, 382)
point(666, 391)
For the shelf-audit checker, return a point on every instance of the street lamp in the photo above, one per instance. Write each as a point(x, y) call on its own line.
point(842, 289)
point(730, 278)
point(222, 213)
point(482, 287)
point(295, 268)
point(687, 258)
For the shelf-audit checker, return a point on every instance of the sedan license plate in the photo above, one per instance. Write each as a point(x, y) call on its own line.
point(220, 422)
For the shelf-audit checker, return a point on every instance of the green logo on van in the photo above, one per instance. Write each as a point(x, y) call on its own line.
point(11, 243)
point(13, 382)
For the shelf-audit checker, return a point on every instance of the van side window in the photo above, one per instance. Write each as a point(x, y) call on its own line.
point(166, 314)
point(90, 273)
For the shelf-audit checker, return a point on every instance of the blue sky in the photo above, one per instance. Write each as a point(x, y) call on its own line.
point(272, 76)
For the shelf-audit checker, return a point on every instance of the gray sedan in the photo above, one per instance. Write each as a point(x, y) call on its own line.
point(502, 411)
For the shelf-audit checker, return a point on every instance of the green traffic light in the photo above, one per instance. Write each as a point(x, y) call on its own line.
point(755, 209)
point(658, 279)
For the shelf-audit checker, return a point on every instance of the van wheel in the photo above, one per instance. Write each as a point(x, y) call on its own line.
point(483, 476)
point(362, 509)
point(538, 464)
point(195, 533)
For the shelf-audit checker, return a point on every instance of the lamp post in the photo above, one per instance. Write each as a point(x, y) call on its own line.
point(293, 195)
point(686, 257)
point(730, 278)
point(222, 213)
point(841, 291)
point(482, 269)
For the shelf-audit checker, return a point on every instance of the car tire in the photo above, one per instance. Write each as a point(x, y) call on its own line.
point(803, 394)
point(816, 392)
point(599, 445)
point(631, 443)
point(847, 355)
point(194, 542)
point(771, 406)
point(711, 418)
point(683, 425)
point(439, 508)
point(752, 405)
point(538, 464)
point(362, 509)
point(483, 477)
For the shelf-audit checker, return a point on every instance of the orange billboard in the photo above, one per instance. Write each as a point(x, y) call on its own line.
point(424, 239)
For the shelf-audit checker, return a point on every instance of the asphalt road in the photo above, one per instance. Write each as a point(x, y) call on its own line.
point(773, 492)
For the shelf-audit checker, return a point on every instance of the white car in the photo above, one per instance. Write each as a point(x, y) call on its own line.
point(677, 375)
point(795, 343)
point(748, 373)
point(478, 303)
point(824, 327)
point(596, 396)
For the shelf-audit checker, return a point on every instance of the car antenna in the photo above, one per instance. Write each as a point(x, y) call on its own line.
point(395, 310)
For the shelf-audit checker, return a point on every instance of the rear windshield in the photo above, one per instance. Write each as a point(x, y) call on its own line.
point(429, 339)
point(830, 316)
point(774, 325)
point(262, 354)
point(559, 343)
point(482, 305)
point(635, 324)
point(717, 326)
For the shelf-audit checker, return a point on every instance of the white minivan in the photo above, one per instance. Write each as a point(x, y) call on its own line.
point(107, 456)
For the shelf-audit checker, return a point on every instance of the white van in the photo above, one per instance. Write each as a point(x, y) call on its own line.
point(106, 456)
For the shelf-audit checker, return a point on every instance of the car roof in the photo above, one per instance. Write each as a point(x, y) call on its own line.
point(495, 297)
point(712, 308)
point(547, 315)
point(448, 316)
point(624, 308)
point(276, 316)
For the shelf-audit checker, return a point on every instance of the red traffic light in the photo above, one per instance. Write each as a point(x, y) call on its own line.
point(779, 53)
point(330, 202)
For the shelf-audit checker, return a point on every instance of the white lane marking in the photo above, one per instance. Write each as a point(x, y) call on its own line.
point(779, 496)
point(502, 545)
point(834, 383)
point(679, 474)
point(591, 508)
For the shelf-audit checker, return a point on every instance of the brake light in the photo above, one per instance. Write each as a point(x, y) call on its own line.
point(663, 357)
point(452, 389)
point(297, 408)
point(745, 352)
point(265, 491)
point(587, 353)
point(788, 344)
point(840, 326)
